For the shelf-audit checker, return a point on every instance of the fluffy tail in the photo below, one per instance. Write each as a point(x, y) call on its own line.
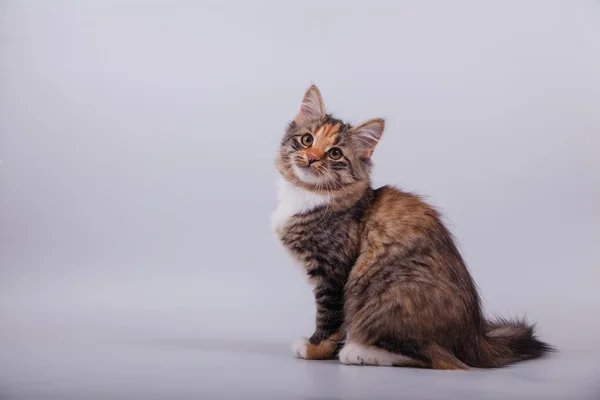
point(506, 342)
point(502, 342)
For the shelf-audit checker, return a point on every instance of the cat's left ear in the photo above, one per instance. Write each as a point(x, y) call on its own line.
point(367, 135)
point(312, 105)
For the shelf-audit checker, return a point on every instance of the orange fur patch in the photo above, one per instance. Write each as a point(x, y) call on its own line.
point(323, 350)
point(325, 136)
point(444, 359)
point(361, 264)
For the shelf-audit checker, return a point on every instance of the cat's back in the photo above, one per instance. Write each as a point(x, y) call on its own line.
point(406, 228)
point(397, 214)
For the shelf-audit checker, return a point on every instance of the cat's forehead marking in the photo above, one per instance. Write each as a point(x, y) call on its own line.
point(327, 134)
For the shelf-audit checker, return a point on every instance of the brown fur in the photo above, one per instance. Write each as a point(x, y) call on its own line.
point(386, 271)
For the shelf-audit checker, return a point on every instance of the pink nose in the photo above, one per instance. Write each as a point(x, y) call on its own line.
point(311, 157)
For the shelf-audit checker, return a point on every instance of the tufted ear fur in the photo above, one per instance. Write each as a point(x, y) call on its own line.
point(368, 134)
point(312, 105)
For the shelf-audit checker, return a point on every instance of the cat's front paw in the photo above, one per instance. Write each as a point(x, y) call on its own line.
point(299, 348)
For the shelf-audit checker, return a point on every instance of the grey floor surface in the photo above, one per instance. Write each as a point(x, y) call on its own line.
point(59, 365)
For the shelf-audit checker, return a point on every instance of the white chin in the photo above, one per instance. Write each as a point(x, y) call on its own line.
point(306, 176)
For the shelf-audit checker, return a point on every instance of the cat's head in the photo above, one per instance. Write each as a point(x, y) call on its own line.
point(322, 153)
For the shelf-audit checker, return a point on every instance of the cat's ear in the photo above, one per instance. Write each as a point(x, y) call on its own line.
point(367, 135)
point(312, 105)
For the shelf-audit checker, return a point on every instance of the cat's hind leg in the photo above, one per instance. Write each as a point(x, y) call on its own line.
point(435, 357)
point(354, 353)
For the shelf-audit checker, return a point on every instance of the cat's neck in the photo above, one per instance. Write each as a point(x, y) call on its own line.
point(338, 199)
point(294, 200)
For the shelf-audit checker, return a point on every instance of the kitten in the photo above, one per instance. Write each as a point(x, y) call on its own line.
point(390, 285)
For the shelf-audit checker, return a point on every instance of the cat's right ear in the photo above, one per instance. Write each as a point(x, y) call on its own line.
point(312, 106)
point(367, 135)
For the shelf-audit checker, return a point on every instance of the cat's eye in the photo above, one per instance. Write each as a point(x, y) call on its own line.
point(307, 140)
point(335, 153)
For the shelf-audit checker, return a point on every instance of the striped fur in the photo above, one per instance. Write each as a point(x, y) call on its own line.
point(387, 277)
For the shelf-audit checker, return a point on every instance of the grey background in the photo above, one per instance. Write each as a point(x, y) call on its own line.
point(137, 138)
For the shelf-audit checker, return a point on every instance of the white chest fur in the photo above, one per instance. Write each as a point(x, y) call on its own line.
point(293, 200)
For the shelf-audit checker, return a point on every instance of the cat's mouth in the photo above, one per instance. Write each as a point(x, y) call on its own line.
point(307, 174)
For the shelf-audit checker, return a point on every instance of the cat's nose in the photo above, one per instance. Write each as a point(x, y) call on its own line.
point(311, 157)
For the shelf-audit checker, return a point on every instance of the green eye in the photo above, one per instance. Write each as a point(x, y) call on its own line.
point(307, 140)
point(335, 153)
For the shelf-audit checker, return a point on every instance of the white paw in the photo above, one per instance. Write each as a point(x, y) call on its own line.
point(299, 348)
point(351, 354)
point(358, 354)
